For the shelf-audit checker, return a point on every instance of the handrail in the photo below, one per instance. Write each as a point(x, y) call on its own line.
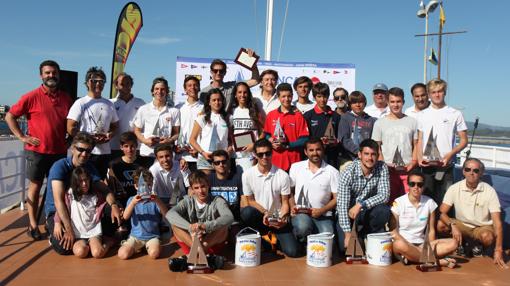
point(22, 189)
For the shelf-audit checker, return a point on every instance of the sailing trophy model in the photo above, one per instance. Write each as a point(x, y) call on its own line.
point(303, 203)
point(197, 260)
point(398, 162)
point(431, 155)
point(428, 258)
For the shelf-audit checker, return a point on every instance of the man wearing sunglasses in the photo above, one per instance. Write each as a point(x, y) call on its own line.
point(226, 182)
point(477, 223)
point(97, 116)
point(218, 72)
point(45, 109)
point(341, 99)
point(267, 190)
point(61, 234)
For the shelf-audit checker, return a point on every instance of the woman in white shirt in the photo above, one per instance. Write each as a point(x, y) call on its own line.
point(413, 213)
point(211, 130)
point(245, 116)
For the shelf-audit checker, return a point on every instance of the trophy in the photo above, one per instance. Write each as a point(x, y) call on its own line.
point(329, 134)
point(180, 146)
point(278, 135)
point(354, 252)
point(274, 217)
point(431, 154)
point(143, 190)
point(303, 204)
point(122, 232)
point(156, 133)
point(99, 133)
point(215, 140)
point(428, 258)
point(398, 162)
point(197, 261)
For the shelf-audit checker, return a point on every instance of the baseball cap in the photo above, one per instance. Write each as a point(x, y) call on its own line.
point(380, 86)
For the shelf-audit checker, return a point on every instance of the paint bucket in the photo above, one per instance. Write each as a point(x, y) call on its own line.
point(379, 249)
point(319, 249)
point(247, 247)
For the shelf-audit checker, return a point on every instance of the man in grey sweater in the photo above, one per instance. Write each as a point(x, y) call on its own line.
point(201, 214)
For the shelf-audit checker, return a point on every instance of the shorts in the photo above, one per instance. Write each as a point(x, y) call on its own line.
point(473, 232)
point(39, 165)
point(138, 244)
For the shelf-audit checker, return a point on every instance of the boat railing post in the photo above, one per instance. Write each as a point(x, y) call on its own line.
point(23, 180)
point(494, 152)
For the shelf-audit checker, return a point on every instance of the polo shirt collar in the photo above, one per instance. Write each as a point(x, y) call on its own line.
point(320, 111)
point(321, 168)
point(269, 174)
point(154, 107)
point(465, 188)
point(291, 111)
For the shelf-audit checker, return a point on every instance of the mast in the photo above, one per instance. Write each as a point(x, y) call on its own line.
point(269, 30)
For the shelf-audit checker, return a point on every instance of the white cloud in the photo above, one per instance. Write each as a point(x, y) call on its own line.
point(158, 40)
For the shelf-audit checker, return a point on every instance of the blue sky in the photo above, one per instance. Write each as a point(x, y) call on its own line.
point(376, 36)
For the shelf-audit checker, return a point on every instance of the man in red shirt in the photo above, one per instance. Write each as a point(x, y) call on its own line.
point(287, 148)
point(45, 109)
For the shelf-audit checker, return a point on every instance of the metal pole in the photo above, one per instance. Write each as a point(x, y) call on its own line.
point(269, 30)
point(425, 51)
point(23, 179)
point(439, 50)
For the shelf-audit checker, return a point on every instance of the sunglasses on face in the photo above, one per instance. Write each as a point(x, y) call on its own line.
point(97, 81)
point(220, 71)
point(418, 184)
point(467, 170)
point(264, 154)
point(337, 98)
point(81, 150)
point(220, 162)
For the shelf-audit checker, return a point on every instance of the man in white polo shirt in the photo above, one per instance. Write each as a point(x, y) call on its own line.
point(315, 185)
point(420, 98)
point(442, 122)
point(477, 212)
point(267, 189)
point(380, 107)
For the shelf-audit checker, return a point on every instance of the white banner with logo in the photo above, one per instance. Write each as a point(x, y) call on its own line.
point(335, 75)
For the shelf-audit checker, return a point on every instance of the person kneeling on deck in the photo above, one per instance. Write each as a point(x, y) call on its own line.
point(413, 213)
point(61, 235)
point(477, 213)
point(201, 214)
point(146, 215)
point(267, 189)
point(363, 192)
point(315, 185)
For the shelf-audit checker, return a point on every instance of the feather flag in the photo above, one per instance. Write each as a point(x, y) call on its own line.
point(432, 57)
point(129, 24)
point(442, 17)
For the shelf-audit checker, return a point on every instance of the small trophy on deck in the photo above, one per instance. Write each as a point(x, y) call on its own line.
point(329, 134)
point(278, 134)
point(398, 162)
point(143, 189)
point(354, 252)
point(197, 261)
point(303, 203)
point(431, 154)
point(428, 258)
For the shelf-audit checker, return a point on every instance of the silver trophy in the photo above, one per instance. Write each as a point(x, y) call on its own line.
point(278, 134)
point(303, 205)
point(431, 154)
point(329, 133)
point(398, 162)
point(144, 191)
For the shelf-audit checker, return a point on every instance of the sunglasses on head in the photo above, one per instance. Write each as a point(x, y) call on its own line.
point(220, 162)
point(97, 81)
point(418, 184)
point(264, 154)
point(81, 150)
point(220, 71)
point(467, 170)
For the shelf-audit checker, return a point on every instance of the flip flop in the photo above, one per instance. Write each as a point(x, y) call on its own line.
point(448, 262)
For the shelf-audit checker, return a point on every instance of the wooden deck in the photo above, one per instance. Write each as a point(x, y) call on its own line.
point(25, 262)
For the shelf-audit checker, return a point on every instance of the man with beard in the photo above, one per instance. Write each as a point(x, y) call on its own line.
point(363, 192)
point(420, 98)
point(341, 99)
point(45, 109)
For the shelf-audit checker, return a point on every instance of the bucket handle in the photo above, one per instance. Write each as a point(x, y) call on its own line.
point(324, 234)
point(242, 231)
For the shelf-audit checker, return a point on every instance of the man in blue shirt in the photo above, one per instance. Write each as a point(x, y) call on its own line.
point(61, 234)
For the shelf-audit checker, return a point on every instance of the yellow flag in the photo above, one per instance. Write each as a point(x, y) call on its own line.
point(442, 17)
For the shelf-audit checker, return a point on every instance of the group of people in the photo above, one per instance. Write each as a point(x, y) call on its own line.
point(138, 169)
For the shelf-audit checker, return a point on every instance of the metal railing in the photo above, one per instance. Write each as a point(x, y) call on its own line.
point(491, 156)
point(22, 176)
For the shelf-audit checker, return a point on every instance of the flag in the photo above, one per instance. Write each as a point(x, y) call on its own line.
point(432, 57)
point(129, 24)
point(442, 17)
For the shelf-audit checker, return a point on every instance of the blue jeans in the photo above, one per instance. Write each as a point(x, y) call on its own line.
point(368, 221)
point(304, 225)
point(288, 243)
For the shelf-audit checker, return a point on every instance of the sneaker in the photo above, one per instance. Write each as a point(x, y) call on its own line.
point(178, 264)
point(216, 261)
point(477, 251)
point(34, 233)
point(402, 259)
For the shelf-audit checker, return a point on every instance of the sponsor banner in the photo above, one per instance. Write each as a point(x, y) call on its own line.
point(335, 75)
point(129, 24)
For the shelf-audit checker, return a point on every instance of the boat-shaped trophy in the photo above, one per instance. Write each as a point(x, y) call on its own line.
point(431, 155)
point(303, 203)
point(197, 261)
point(143, 189)
point(428, 258)
point(354, 252)
point(398, 162)
point(99, 132)
point(329, 133)
point(278, 134)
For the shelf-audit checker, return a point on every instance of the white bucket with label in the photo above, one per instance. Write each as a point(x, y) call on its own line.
point(248, 247)
point(379, 249)
point(319, 249)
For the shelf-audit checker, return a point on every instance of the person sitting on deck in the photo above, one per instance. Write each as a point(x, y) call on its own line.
point(414, 212)
point(477, 213)
point(145, 215)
